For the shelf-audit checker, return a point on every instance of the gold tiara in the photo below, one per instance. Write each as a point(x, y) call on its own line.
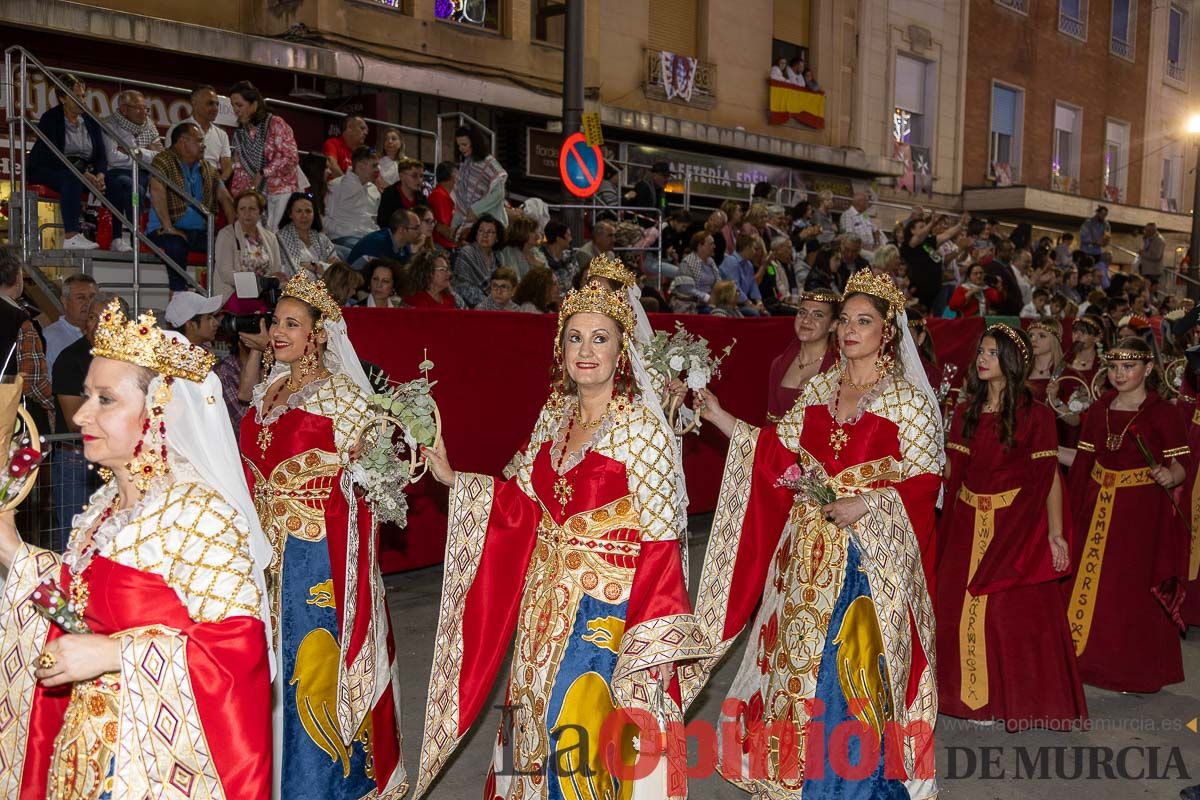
point(596, 299)
point(1052, 327)
point(141, 342)
point(1087, 322)
point(315, 294)
point(1013, 336)
point(1126, 354)
point(820, 296)
point(606, 266)
point(867, 282)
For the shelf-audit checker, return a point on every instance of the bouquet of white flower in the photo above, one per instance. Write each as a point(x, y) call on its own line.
point(678, 354)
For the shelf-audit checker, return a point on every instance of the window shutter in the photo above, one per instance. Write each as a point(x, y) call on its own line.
point(910, 84)
point(673, 26)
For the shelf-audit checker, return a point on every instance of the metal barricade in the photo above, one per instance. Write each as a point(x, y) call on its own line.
point(64, 484)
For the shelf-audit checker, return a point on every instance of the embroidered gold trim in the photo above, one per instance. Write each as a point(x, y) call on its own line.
point(959, 448)
point(1042, 454)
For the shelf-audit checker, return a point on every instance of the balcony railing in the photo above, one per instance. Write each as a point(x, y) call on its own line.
point(1064, 183)
point(1021, 6)
point(704, 88)
point(1121, 48)
point(1071, 26)
point(1176, 71)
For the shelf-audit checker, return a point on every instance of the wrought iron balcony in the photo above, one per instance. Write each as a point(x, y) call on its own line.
point(1016, 5)
point(1071, 26)
point(1176, 72)
point(1122, 49)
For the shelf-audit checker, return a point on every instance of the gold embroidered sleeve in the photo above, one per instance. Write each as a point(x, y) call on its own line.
point(345, 404)
point(920, 428)
point(1177, 452)
point(644, 446)
point(962, 448)
point(1086, 447)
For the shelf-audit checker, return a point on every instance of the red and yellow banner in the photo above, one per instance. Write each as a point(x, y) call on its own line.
point(795, 103)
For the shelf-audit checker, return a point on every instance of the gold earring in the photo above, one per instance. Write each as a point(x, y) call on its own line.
point(268, 360)
point(884, 364)
point(309, 364)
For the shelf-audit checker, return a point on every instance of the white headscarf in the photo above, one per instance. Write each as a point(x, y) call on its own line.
point(200, 435)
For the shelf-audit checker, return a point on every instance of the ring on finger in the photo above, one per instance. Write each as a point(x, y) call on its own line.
point(46, 661)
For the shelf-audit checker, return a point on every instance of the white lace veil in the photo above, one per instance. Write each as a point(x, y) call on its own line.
point(914, 372)
point(200, 435)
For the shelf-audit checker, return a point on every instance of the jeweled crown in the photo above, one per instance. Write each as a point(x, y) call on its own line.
point(315, 294)
point(595, 298)
point(141, 342)
point(881, 286)
point(606, 266)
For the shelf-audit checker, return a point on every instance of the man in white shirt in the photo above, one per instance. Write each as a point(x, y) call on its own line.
point(77, 293)
point(855, 220)
point(205, 107)
point(136, 137)
point(1021, 263)
point(353, 200)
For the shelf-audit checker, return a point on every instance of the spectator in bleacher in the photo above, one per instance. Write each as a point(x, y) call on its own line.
point(79, 138)
point(343, 283)
point(194, 316)
point(77, 293)
point(245, 245)
point(1039, 306)
point(482, 182)
point(382, 284)
point(339, 150)
point(795, 71)
point(974, 297)
point(823, 217)
point(391, 153)
point(726, 237)
point(887, 262)
point(920, 248)
point(353, 201)
point(826, 273)
point(245, 355)
point(852, 254)
point(725, 300)
point(601, 242)
point(205, 108)
point(1094, 232)
point(810, 80)
point(521, 252)
point(556, 253)
point(427, 282)
point(136, 138)
point(500, 291)
point(441, 200)
point(538, 292)
point(394, 243)
point(675, 236)
point(780, 291)
point(608, 193)
point(428, 224)
point(478, 259)
point(738, 267)
point(698, 273)
point(175, 225)
point(265, 156)
point(856, 220)
point(302, 245)
point(1001, 273)
point(407, 192)
point(19, 336)
point(651, 192)
point(1062, 251)
point(1150, 255)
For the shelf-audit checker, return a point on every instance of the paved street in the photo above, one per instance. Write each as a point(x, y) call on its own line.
point(1118, 722)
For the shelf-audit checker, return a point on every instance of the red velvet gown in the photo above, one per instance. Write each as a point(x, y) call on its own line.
point(172, 580)
point(593, 590)
point(338, 725)
point(844, 623)
point(1004, 649)
point(1129, 551)
point(1191, 506)
point(780, 398)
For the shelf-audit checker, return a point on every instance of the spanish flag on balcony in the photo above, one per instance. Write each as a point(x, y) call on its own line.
point(791, 102)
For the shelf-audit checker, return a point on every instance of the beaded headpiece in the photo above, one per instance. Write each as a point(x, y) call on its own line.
point(141, 342)
point(1127, 354)
point(594, 298)
point(1052, 327)
point(606, 266)
point(1011, 334)
point(881, 286)
point(1091, 323)
point(821, 296)
point(315, 294)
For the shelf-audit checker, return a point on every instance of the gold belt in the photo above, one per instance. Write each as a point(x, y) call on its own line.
point(586, 530)
point(1087, 577)
point(972, 636)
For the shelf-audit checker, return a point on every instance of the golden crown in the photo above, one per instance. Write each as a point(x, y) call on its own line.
point(881, 286)
point(315, 294)
point(596, 299)
point(606, 266)
point(141, 342)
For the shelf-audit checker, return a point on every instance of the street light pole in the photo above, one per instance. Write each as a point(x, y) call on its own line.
point(572, 113)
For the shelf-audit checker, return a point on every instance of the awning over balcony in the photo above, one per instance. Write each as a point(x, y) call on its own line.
point(792, 103)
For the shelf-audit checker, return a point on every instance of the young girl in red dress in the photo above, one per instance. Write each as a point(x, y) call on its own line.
point(1004, 649)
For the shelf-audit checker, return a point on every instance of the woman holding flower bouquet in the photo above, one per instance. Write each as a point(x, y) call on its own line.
point(1004, 650)
point(810, 353)
point(578, 555)
point(1130, 546)
point(156, 666)
point(822, 525)
point(337, 727)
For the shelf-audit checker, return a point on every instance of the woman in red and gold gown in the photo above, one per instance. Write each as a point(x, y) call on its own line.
point(810, 353)
point(1004, 649)
point(1130, 544)
point(337, 718)
point(578, 555)
point(168, 692)
point(844, 633)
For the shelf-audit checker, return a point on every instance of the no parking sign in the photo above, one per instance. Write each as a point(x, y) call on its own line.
point(580, 166)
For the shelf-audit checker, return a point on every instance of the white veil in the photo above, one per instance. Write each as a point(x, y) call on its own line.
point(200, 435)
point(914, 372)
point(340, 356)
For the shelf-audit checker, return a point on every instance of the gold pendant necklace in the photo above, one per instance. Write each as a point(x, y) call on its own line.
point(264, 438)
point(1113, 441)
point(839, 436)
point(562, 487)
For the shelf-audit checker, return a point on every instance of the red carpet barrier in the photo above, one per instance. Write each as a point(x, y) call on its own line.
point(493, 374)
